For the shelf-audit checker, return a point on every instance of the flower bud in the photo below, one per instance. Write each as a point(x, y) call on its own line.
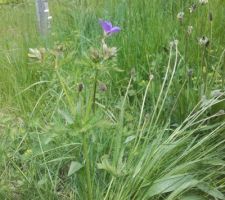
point(108, 52)
point(95, 55)
point(80, 87)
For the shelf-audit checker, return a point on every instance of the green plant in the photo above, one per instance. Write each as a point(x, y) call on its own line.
point(72, 128)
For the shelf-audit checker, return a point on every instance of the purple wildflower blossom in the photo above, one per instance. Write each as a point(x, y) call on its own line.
point(108, 28)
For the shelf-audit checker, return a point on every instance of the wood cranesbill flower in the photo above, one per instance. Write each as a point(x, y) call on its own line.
point(108, 28)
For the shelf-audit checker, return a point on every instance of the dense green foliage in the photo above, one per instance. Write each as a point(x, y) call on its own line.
point(10, 1)
point(146, 124)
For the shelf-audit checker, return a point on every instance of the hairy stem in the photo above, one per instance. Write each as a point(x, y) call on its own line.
point(94, 90)
point(87, 167)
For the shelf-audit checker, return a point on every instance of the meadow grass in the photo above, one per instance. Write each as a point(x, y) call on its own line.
point(147, 124)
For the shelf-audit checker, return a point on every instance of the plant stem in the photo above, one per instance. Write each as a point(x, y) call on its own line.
point(204, 69)
point(222, 60)
point(94, 92)
point(139, 132)
point(87, 167)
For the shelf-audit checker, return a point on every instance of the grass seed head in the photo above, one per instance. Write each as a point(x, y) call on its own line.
point(180, 16)
point(204, 41)
point(202, 2)
point(192, 8)
point(189, 30)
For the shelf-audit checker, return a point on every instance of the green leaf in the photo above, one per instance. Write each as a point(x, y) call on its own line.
point(74, 167)
point(211, 191)
point(215, 162)
point(117, 69)
point(192, 196)
point(183, 187)
point(168, 184)
point(129, 139)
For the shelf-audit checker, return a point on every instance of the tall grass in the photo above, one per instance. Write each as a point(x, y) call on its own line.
point(157, 130)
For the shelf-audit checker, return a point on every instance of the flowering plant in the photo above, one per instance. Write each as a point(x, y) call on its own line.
point(108, 28)
point(104, 54)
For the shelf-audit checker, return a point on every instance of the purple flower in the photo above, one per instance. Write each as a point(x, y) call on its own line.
point(108, 28)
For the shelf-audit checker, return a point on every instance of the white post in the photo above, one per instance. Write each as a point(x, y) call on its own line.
point(43, 17)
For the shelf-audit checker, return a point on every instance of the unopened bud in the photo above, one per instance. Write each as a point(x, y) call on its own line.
point(95, 55)
point(80, 87)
